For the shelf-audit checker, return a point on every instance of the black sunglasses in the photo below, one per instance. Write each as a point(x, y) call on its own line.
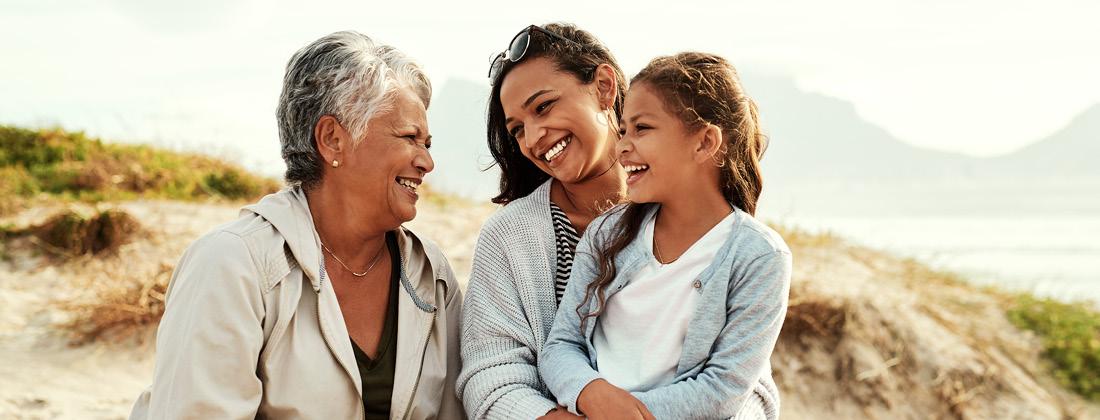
point(518, 48)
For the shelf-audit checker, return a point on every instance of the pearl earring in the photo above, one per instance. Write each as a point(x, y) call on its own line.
point(335, 163)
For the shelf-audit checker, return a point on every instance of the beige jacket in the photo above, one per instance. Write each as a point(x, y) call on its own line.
point(252, 329)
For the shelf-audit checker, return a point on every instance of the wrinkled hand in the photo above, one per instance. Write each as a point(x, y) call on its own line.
point(560, 413)
point(601, 400)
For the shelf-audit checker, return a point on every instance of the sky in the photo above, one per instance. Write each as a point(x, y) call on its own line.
point(981, 78)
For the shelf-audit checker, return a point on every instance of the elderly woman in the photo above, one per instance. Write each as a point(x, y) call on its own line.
point(316, 303)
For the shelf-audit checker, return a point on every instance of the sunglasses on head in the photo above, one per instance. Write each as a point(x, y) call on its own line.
point(518, 48)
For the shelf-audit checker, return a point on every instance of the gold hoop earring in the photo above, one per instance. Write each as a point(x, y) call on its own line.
point(602, 118)
point(335, 163)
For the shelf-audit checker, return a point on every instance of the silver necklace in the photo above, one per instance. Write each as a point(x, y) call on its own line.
point(373, 262)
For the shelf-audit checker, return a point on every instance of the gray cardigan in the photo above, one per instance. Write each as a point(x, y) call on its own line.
point(724, 370)
point(508, 311)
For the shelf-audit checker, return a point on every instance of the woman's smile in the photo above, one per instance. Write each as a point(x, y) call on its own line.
point(409, 186)
point(556, 155)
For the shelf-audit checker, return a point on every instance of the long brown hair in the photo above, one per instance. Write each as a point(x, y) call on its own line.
point(518, 176)
point(699, 89)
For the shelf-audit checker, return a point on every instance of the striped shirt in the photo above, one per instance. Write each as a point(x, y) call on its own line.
point(566, 239)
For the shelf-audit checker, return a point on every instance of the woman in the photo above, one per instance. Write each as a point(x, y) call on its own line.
point(676, 299)
point(316, 303)
point(556, 97)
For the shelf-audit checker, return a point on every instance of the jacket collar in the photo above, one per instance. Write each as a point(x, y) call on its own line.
point(288, 212)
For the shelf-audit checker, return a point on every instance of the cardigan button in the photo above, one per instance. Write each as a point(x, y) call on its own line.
point(697, 284)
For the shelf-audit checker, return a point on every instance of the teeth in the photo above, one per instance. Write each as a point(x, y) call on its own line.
point(408, 184)
point(554, 151)
point(635, 168)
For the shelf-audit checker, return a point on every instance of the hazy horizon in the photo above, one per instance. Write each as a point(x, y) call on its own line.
point(979, 79)
point(128, 132)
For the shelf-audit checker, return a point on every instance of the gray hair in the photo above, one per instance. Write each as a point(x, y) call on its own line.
point(346, 75)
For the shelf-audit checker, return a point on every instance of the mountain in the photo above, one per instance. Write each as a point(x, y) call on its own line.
point(818, 138)
point(824, 159)
point(1071, 151)
point(815, 138)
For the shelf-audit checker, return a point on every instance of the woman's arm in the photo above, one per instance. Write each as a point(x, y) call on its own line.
point(756, 307)
point(210, 336)
point(499, 379)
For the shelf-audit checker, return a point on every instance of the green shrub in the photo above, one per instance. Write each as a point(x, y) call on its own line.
point(28, 148)
point(1071, 339)
point(233, 183)
point(16, 181)
point(71, 165)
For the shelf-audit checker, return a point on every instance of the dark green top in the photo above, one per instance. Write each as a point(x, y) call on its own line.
point(377, 374)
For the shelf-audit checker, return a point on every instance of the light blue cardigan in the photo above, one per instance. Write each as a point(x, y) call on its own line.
point(725, 360)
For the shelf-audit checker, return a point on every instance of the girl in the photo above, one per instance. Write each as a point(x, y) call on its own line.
point(557, 94)
point(676, 299)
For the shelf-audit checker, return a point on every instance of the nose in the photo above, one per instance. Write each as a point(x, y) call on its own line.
point(624, 145)
point(532, 133)
point(423, 161)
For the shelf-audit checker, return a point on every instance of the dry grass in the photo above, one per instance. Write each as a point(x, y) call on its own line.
point(117, 308)
point(74, 232)
point(112, 296)
point(813, 319)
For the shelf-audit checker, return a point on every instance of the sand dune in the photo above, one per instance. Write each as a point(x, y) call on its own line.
point(869, 335)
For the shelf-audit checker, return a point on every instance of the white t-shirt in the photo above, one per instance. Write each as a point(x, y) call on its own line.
point(639, 337)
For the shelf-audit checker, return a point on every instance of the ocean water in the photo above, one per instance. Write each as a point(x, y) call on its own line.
point(1056, 256)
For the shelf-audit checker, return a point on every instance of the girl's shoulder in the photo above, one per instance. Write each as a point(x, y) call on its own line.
point(606, 220)
point(751, 236)
point(601, 227)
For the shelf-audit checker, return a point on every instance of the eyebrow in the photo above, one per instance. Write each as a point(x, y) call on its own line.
point(415, 127)
point(534, 96)
point(637, 116)
point(528, 102)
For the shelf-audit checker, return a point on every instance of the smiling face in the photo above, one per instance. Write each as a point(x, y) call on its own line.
point(559, 123)
point(661, 157)
point(380, 176)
